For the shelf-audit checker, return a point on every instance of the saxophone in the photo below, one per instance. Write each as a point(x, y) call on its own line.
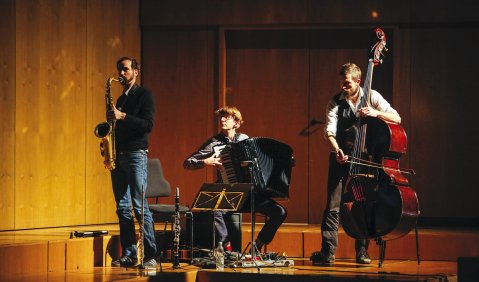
point(106, 130)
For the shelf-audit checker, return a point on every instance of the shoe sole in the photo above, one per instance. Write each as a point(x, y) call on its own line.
point(319, 263)
point(146, 267)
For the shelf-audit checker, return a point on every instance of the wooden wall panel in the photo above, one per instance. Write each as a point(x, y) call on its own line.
point(366, 11)
point(179, 69)
point(54, 73)
point(463, 11)
point(401, 90)
point(251, 12)
point(7, 114)
point(50, 116)
point(406, 80)
point(443, 75)
point(267, 78)
point(59, 61)
point(174, 12)
point(118, 36)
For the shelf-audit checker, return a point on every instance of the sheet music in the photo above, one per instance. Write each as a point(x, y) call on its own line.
point(220, 196)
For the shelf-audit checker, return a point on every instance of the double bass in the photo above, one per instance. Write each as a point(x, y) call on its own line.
point(378, 202)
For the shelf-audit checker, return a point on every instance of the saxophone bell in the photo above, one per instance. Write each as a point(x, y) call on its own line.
point(102, 129)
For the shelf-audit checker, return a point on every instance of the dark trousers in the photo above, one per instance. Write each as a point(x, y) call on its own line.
point(337, 176)
point(275, 213)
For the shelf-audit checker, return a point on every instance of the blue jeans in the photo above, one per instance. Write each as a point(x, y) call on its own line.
point(128, 178)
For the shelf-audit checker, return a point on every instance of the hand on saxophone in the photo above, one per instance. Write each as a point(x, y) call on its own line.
point(115, 114)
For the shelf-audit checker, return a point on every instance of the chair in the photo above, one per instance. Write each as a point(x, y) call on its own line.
point(158, 187)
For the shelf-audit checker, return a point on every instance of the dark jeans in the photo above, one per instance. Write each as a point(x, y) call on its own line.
point(275, 213)
point(337, 176)
point(128, 178)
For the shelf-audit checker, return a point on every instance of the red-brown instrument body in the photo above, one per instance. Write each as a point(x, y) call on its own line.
point(378, 201)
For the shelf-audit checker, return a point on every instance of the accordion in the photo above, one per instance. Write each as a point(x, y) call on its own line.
point(262, 161)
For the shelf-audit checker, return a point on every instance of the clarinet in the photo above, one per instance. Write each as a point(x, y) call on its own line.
point(176, 230)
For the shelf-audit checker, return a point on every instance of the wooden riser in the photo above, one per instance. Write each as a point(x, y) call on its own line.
point(434, 244)
point(27, 253)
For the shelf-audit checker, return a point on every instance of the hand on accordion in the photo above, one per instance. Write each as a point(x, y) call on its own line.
point(212, 161)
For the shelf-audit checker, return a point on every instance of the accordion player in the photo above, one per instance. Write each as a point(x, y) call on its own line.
point(265, 162)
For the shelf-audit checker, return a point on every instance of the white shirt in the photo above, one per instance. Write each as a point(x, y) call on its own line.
point(377, 102)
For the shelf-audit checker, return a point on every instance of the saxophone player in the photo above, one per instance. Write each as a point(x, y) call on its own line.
point(133, 118)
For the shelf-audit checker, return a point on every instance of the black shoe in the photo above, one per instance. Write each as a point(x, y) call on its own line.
point(318, 258)
point(125, 261)
point(362, 257)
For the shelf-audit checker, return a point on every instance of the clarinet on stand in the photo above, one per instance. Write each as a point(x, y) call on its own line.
point(176, 230)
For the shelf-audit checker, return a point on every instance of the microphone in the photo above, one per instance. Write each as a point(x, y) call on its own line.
point(315, 121)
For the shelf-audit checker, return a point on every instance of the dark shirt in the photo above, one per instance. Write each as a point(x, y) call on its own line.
point(132, 132)
point(208, 149)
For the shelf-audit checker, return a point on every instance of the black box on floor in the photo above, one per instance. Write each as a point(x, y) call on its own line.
point(467, 269)
point(203, 229)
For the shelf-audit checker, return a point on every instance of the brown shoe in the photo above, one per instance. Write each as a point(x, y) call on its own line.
point(318, 258)
point(362, 257)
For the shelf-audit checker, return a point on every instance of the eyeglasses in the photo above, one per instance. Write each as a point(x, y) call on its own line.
point(226, 117)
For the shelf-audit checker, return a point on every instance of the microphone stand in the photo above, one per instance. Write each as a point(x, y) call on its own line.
point(253, 249)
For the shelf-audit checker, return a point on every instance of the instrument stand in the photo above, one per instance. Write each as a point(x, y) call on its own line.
point(417, 244)
point(141, 267)
point(159, 261)
point(382, 248)
point(254, 248)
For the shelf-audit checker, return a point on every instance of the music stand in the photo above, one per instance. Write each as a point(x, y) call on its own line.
point(221, 197)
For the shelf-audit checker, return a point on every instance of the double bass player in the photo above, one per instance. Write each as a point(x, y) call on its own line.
point(342, 112)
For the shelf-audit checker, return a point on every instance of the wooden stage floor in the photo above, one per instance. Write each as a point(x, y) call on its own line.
point(342, 270)
point(51, 255)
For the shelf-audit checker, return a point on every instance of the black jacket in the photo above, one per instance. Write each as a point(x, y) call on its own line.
point(132, 132)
